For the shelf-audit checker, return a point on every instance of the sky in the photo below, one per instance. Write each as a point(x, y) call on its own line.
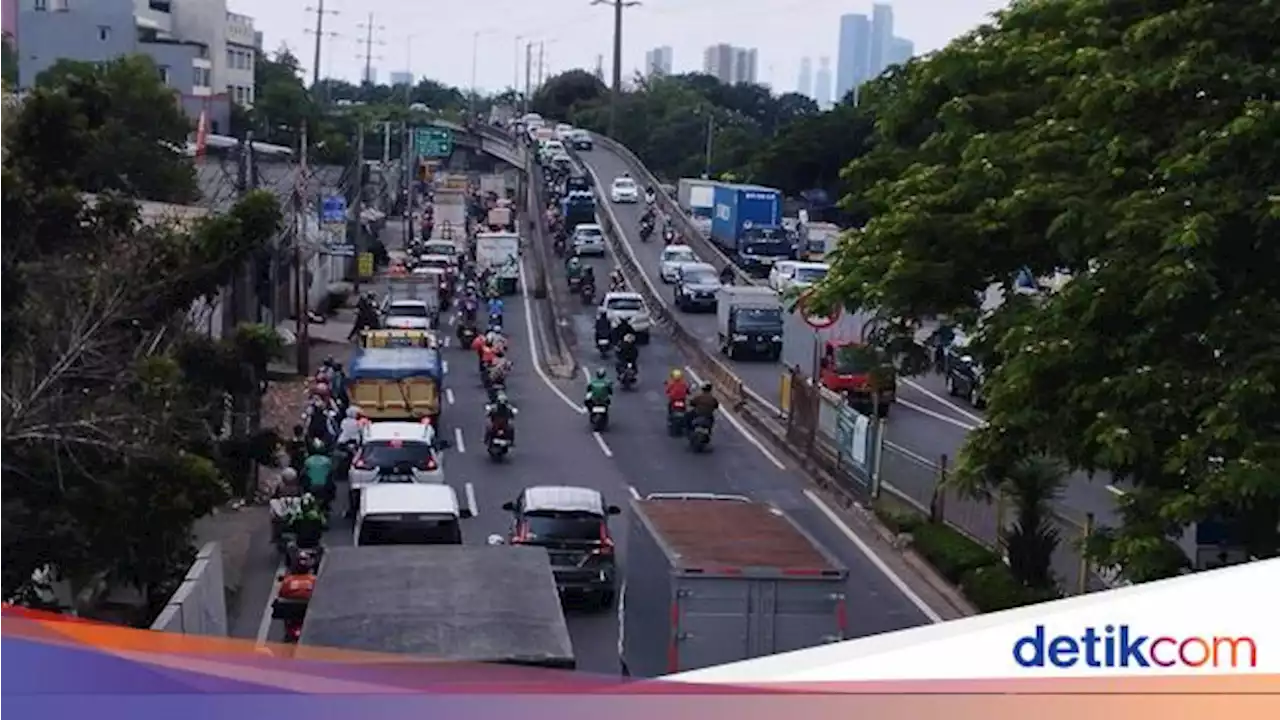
point(438, 39)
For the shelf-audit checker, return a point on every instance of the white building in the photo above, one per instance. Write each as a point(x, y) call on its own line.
point(229, 36)
point(658, 61)
point(881, 41)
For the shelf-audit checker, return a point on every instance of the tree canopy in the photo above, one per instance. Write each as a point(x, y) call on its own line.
point(1133, 146)
point(112, 408)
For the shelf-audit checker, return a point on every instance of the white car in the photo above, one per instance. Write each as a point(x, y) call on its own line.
point(588, 239)
point(409, 514)
point(564, 132)
point(629, 305)
point(672, 258)
point(385, 446)
point(550, 150)
point(407, 315)
point(624, 190)
point(792, 275)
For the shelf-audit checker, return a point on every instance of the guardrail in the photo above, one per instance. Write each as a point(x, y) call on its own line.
point(199, 605)
point(553, 293)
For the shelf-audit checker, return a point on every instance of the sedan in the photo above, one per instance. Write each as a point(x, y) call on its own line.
point(697, 287)
point(407, 315)
point(672, 258)
point(624, 190)
point(588, 240)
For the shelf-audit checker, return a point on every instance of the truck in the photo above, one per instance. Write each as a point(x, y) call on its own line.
point(450, 214)
point(500, 251)
point(734, 579)
point(747, 226)
point(397, 383)
point(454, 603)
point(749, 322)
point(579, 207)
point(841, 361)
point(697, 197)
point(818, 240)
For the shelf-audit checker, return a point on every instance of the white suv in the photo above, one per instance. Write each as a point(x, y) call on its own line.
point(386, 447)
point(629, 305)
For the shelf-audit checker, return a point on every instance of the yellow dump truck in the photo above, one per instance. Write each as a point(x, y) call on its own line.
point(397, 383)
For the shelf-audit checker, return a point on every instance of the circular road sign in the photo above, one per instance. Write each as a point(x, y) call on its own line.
point(817, 322)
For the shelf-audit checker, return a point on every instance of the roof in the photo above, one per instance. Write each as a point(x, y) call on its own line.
point(397, 363)
point(588, 226)
point(410, 431)
point(685, 267)
point(730, 533)
point(682, 248)
point(563, 498)
point(415, 302)
point(381, 498)
point(810, 265)
point(460, 603)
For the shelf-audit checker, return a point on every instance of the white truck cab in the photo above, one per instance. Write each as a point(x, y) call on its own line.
point(409, 514)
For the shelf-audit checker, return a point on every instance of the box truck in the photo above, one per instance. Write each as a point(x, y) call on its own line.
point(747, 227)
point(697, 197)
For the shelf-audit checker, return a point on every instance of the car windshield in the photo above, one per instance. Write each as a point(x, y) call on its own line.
point(700, 277)
point(855, 360)
point(624, 184)
point(410, 530)
point(810, 275)
point(678, 256)
point(388, 454)
point(563, 526)
point(626, 304)
point(442, 263)
point(759, 318)
point(442, 249)
point(408, 310)
point(591, 232)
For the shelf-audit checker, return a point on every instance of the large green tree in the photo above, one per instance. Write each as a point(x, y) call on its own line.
point(1133, 145)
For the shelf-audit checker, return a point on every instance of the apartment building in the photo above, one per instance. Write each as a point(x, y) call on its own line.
point(730, 64)
point(658, 61)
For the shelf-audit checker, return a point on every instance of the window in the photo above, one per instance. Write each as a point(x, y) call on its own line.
point(200, 77)
point(248, 96)
point(104, 32)
point(231, 57)
point(41, 5)
point(164, 73)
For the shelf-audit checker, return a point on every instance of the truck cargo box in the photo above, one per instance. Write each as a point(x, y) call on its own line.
point(726, 579)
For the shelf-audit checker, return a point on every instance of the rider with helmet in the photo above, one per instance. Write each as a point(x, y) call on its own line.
point(500, 414)
point(676, 387)
point(599, 390)
point(704, 405)
point(628, 352)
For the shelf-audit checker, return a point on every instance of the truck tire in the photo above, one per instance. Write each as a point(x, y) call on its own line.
point(606, 599)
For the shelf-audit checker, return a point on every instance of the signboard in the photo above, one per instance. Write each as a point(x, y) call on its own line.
point(432, 142)
point(364, 266)
point(333, 209)
point(852, 433)
point(817, 322)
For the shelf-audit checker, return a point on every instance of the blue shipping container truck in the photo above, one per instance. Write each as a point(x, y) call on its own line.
point(747, 226)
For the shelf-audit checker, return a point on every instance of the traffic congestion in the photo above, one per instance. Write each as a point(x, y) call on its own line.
point(444, 429)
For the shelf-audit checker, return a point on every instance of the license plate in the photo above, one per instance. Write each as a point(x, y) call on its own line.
point(602, 343)
point(501, 441)
point(597, 411)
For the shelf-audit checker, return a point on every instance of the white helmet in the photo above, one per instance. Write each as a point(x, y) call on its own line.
point(495, 540)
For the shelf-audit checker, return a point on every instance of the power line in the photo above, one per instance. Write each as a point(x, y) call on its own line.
point(320, 34)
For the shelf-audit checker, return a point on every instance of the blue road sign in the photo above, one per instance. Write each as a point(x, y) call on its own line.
point(333, 209)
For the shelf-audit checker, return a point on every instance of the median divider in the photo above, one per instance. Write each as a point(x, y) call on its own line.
point(558, 346)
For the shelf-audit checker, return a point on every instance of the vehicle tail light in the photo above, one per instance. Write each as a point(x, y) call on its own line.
point(430, 465)
point(606, 542)
point(293, 632)
point(359, 463)
point(677, 405)
point(521, 535)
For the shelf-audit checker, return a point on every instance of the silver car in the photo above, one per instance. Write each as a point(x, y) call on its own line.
point(588, 240)
point(672, 258)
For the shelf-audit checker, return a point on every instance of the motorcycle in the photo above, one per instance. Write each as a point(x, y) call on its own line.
point(291, 602)
point(699, 434)
point(668, 237)
point(558, 246)
point(617, 284)
point(604, 345)
point(499, 442)
point(495, 320)
point(466, 335)
point(574, 284)
point(646, 232)
point(627, 376)
point(676, 417)
point(587, 291)
point(598, 415)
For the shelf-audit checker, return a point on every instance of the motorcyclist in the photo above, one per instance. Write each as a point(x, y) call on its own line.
point(599, 390)
point(628, 352)
point(496, 339)
point(616, 281)
point(676, 387)
point(573, 268)
point(366, 317)
point(604, 328)
point(588, 275)
point(338, 384)
point(500, 413)
point(495, 307)
point(650, 197)
point(499, 367)
point(622, 329)
point(317, 471)
point(703, 406)
point(296, 447)
point(307, 521)
point(349, 430)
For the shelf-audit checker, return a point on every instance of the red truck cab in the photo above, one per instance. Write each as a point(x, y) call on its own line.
point(853, 370)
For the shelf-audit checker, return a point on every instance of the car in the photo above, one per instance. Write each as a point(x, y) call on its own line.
point(696, 287)
point(409, 514)
point(673, 256)
point(629, 305)
point(582, 140)
point(440, 247)
point(588, 239)
point(564, 132)
point(964, 374)
point(791, 275)
point(578, 183)
point(572, 523)
point(407, 314)
point(550, 150)
point(624, 190)
point(387, 445)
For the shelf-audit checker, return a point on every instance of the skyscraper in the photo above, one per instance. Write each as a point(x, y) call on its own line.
point(744, 65)
point(804, 84)
point(730, 64)
point(658, 61)
point(822, 83)
point(881, 38)
point(900, 51)
point(853, 61)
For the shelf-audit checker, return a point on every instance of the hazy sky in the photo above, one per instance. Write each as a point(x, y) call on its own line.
point(436, 38)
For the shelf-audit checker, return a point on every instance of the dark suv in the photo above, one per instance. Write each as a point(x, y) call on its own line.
point(572, 523)
point(964, 375)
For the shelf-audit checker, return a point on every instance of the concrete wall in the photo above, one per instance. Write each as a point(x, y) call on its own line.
point(199, 605)
point(45, 37)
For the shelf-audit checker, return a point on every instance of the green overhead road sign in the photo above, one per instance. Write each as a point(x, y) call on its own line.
point(433, 142)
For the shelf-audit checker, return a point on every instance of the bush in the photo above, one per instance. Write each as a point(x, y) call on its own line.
point(950, 553)
point(993, 588)
point(898, 520)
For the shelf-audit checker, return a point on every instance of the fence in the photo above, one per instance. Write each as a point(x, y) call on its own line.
point(199, 605)
point(866, 464)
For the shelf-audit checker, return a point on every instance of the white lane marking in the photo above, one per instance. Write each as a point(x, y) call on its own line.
point(942, 401)
point(448, 395)
point(453, 319)
point(634, 492)
point(870, 554)
point(444, 365)
point(471, 500)
point(742, 428)
point(907, 453)
point(1116, 491)
point(604, 447)
point(533, 347)
point(446, 340)
point(457, 435)
point(264, 625)
point(936, 415)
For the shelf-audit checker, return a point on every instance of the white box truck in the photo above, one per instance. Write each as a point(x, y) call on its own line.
point(500, 251)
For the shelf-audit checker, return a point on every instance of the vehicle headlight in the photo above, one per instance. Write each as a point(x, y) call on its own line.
point(739, 338)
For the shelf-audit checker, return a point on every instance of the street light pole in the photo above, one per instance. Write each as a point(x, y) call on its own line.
point(711, 129)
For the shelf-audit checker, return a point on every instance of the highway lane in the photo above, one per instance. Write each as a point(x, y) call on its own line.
point(925, 424)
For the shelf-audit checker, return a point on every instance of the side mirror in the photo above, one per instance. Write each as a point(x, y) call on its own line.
point(613, 510)
point(509, 506)
point(824, 362)
point(465, 513)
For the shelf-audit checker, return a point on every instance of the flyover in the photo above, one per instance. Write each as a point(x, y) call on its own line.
point(485, 138)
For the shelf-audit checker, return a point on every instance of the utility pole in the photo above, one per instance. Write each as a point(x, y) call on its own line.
point(320, 34)
point(542, 52)
point(711, 130)
point(358, 202)
point(528, 74)
point(515, 74)
point(386, 144)
point(302, 324)
point(369, 42)
point(618, 7)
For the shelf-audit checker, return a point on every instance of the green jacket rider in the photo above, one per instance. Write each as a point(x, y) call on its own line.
point(573, 268)
point(600, 389)
point(307, 521)
point(317, 468)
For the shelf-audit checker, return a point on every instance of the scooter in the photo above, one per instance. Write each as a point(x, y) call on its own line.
point(466, 335)
point(604, 345)
point(575, 284)
point(291, 603)
point(646, 232)
point(587, 291)
point(598, 415)
point(627, 376)
point(676, 418)
point(699, 434)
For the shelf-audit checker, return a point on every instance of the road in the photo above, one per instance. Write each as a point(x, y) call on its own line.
point(926, 424)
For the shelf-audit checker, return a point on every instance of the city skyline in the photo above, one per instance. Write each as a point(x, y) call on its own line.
point(731, 64)
point(658, 61)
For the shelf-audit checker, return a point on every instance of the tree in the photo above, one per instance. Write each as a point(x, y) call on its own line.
point(561, 95)
point(1032, 485)
point(121, 130)
point(812, 150)
point(1130, 146)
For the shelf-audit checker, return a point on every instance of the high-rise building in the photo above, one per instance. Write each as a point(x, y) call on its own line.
point(658, 61)
point(744, 65)
point(853, 60)
point(730, 64)
point(900, 51)
point(402, 78)
point(822, 83)
point(804, 84)
point(881, 37)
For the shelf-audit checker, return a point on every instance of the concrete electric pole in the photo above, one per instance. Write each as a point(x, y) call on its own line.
point(618, 7)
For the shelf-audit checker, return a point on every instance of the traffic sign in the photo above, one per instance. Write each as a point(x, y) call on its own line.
point(433, 142)
point(364, 265)
point(817, 322)
point(333, 209)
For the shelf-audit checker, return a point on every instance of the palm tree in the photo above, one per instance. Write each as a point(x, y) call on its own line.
point(1031, 486)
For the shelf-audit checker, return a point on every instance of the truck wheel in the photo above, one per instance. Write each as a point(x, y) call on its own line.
point(606, 599)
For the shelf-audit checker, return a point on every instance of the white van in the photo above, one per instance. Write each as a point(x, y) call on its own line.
point(409, 514)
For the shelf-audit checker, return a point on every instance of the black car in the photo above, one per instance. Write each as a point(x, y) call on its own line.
point(582, 141)
point(572, 523)
point(964, 375)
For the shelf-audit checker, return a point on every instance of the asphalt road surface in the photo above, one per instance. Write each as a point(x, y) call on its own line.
point(926, 423)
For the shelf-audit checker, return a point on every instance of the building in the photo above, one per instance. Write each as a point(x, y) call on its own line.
point(853, 59)
point(744, 65)
point(402, 78)
point(730, 64)
point(804, 83)
point(881, 38)
point(900, 51)
point(822, 83)
point(658, 61)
